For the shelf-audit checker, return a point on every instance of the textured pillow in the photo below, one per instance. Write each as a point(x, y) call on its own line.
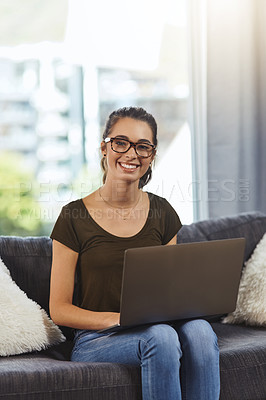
point(251, 302)
point(24, 325)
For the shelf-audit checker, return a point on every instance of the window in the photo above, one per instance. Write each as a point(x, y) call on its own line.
point(55, 98)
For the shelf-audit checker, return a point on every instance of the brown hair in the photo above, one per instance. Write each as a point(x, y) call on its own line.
point(139, 114)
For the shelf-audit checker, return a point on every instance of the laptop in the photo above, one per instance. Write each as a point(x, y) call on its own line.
point(182, 281)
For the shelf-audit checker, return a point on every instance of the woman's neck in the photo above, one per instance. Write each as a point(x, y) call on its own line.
point(120, 194)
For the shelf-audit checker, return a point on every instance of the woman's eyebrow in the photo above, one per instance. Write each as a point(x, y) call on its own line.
point(122, 137)
point(144, 140)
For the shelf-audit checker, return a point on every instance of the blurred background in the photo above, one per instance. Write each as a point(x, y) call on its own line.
point(196, 65)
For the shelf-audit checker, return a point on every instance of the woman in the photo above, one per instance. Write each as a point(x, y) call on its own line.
point(90, 237)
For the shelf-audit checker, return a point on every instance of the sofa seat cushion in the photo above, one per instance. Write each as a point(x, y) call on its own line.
point(242, 361)
point(38, 377)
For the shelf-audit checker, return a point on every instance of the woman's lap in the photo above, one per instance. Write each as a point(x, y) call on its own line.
point(121, 346)
point(124, 346)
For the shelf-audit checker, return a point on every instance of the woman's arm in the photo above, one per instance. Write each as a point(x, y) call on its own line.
point(62, 311)
point(172, 241)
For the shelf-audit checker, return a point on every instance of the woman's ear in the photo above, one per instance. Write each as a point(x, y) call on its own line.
point(103, 148)
point(153, 156)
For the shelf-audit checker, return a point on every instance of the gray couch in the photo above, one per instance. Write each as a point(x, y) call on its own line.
point(49, 374)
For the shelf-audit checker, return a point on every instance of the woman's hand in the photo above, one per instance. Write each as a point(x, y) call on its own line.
point(111, 319)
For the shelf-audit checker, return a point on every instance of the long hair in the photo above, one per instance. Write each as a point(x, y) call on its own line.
point(139, 114)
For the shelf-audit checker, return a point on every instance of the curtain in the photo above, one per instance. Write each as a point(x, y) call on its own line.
point(236, 105)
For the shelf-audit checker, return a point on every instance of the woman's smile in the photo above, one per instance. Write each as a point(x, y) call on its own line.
point(128, 167)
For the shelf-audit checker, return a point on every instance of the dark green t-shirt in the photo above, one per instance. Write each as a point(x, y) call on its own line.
point(101, 254)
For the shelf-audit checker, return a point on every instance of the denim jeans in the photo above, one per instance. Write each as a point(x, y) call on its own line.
point(177, 362)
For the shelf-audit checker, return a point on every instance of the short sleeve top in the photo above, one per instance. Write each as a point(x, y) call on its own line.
point(101, 254)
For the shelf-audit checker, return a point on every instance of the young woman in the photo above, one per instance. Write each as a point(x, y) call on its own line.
point(89, 239)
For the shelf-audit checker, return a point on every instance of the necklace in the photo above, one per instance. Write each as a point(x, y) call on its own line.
point(120, 210)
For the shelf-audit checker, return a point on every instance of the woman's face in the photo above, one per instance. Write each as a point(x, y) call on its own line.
point(128, 166)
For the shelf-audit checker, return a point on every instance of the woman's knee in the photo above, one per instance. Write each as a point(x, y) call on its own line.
point(198, 337)
point(163, 339)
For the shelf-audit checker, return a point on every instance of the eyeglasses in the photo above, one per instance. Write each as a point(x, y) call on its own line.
point(118, 145)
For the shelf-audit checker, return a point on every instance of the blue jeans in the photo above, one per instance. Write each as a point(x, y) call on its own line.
point(164, 353)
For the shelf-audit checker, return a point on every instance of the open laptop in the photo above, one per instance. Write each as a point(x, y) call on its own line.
point(182, 281)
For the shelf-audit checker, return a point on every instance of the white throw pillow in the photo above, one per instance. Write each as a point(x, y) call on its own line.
point(24, 325)
point(251, 302)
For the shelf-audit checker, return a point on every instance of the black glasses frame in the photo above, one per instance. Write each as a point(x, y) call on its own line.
point(132, 144)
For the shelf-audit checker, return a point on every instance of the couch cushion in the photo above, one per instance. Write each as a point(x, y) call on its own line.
point(251, 225)
point(24, 325)
point(29, 261)
point(242, 361)
point(251, 301)
point(37, 377)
